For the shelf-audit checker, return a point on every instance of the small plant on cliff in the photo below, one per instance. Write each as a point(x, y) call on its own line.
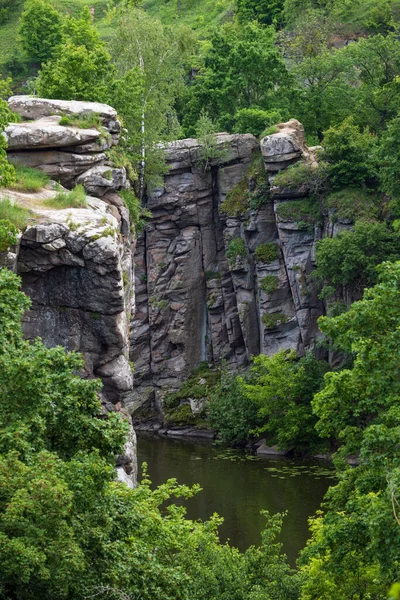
point(90, 120)
point(236, 249)
point(269, 284)
point(8, 234)
point(16, 214)
point(266, 253)
point(303, 176)
point(273, 320)
point(138, 213)
point(75, 198)
point(210, 149)
point(29, 180)
point(237, 200)
point(306, 213)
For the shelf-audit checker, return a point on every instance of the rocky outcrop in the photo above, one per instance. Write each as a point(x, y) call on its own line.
point(217, 282)
point(76, 263)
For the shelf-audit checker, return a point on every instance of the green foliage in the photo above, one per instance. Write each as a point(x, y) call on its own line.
point(236, 249)
point(40, 30)
point(89, 120)
point(267, 253)
point(29, 180)
point(282, 388)
point(269, 284)
point(350, 258)
point(210, 149)
point(306, 213)
point(75, 198)
point(272, 320)
point(8, 234)
point(16, 214)
point(245, 66)
point(199, 385)
point(350, 155)
point(263, 11)
point(5, 10)
point(354, 549)
point(255, 120)
point(389, 155)
point(354, 204)
point(303, 176)
point(230, 412)
point(237, 200)
point(138, 214)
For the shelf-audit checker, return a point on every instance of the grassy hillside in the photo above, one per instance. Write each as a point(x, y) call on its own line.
point(201, 15)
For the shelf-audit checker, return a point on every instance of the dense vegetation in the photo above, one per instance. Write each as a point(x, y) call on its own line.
point(68, 530)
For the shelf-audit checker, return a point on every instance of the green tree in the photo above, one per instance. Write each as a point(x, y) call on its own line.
point(80, 69)
point(354, 551)
point(349, 260)
point(40, 30)
point(265, 11)
point(350, 155)
point(152, 58)
point(242, 69)
point(282, 388)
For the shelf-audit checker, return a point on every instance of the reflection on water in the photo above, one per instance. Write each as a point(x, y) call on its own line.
point(238, 488)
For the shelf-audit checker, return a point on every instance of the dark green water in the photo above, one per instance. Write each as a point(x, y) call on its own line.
point(238, 488)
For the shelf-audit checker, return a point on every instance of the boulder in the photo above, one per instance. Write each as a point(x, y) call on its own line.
point(46, 133)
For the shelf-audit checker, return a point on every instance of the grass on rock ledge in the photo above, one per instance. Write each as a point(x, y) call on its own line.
point(16, 214)
point(75, 198)
point(29, 180)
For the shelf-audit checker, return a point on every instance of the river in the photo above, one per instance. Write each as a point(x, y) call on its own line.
point(238, 487)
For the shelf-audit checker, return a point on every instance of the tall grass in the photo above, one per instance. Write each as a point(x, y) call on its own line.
point(16, 214)
point(86, 121)
point(75, 198)
point(29, 180)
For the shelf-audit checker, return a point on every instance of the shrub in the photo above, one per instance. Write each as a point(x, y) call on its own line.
point(75, 198)
point(198, 385)
point(350, 155)
point(17, 215)
point(354, 204)
point(267, 253)
point(255, 120)
point(273, 320)
point(351, 257)
point(231, 413)
point(236, 249)
point(138, 214)
point(8, 234)
point(302, 175)
point(306, 213)
point(29, 180)
point(269, 284)
point(237, 200)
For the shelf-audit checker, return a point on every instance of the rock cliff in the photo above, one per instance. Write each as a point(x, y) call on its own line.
point(76, 263)
point(223, 267)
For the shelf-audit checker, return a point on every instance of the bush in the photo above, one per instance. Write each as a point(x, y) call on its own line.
point(231, 413)
point(350, 258)
point(138, 214)
point(271, 320)
point(8, 234)
point(306, 213)
point(282, 388)
point(236, 249)
point(354, 204)
point(29, 180)
point(350, 155)
point(304, 176)
point(266, 253)
point(255, 120)
point(269, 284)
point(75, 198)
point(17, 215)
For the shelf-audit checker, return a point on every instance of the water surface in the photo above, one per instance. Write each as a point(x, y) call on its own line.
point(238, 488)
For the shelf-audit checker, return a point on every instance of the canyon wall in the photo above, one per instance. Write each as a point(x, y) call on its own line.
point(223, 268)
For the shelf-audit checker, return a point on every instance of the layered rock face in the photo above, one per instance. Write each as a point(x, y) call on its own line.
point(212, 286)
point(76, 263)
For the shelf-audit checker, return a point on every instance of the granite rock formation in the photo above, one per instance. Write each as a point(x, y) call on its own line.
point(214, 283)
